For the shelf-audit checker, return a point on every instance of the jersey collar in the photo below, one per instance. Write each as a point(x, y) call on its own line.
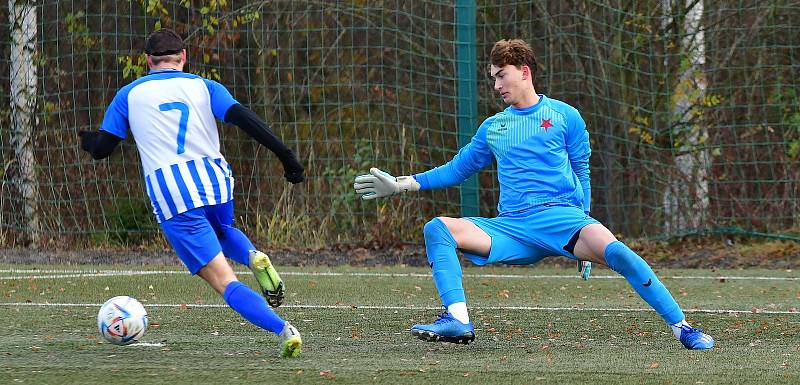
point(163, 70)
point(531, 109)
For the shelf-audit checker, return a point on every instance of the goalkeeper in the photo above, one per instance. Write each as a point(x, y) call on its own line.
point(171, 114)
point(541, 147)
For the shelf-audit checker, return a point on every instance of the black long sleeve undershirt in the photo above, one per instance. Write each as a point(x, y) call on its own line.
point(99, 144)
point(248, 121)
point(252, 124)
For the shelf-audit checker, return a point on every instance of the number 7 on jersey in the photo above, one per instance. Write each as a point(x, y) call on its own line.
point(184, 109)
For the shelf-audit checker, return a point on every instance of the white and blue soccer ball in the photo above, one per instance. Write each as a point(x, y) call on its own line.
point(122, 320)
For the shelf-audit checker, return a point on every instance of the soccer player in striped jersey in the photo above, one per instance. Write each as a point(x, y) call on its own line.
point(541, 147)
point(171, 115)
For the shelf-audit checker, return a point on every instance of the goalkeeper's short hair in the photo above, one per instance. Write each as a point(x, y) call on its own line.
point(515, 52)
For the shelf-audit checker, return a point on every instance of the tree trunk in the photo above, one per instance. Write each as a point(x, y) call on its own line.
point(686, 201)
point(22, 18)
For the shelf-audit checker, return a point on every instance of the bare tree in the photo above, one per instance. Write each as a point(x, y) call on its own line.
point(686, 198)
point(22, 20)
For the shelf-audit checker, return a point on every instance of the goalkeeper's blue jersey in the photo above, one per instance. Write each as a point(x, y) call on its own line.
point(542, 155)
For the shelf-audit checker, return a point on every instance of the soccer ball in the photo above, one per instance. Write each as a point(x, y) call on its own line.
point(122, 320)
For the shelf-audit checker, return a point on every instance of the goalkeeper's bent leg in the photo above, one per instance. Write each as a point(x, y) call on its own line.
point(440, 246)
point(641, 277)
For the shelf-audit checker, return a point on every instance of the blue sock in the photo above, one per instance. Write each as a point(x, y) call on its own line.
point(252, 307)
point(235, 245)
point(640, 276)
point(441, 249)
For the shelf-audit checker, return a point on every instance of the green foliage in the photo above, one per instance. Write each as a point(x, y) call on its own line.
point(343, 197)
point(130, 223)
point(245, 18)
point(154, 7)
point(289, 224)
point(133, 67)
point(789, 104)
point(210, 74)
point(79, 31)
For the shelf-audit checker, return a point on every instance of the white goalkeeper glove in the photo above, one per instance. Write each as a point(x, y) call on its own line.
point(584, 269)
point(379, 184)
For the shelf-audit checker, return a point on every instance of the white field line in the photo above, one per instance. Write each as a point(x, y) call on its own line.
point(148, 344)
point(415, 308)
point(52, 274)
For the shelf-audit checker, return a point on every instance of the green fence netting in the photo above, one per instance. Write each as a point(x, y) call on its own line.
point(692, 107)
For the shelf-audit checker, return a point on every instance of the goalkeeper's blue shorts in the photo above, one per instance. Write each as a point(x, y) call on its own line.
point(192, 233)
point(524, 239)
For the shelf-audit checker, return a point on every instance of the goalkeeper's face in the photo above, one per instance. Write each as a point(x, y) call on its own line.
point(514, 84)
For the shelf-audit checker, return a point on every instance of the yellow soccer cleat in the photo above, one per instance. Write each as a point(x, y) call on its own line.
point(271, 284)
point(291, 343)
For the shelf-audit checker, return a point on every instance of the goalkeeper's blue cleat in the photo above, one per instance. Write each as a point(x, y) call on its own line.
point(584, 269)
point(445, 329)
point(695, 339)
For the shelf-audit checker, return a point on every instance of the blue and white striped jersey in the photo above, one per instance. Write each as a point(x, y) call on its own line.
point(542, 155)
point(171, 115)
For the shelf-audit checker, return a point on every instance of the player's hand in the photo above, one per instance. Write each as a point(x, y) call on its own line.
point(293, 170)
point(88, 139)
point(584, 269)
point(378, 184)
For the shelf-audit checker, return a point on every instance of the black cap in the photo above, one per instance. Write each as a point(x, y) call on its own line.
point(163, 42)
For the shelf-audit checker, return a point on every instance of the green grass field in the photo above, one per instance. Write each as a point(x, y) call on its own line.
point(533, 326)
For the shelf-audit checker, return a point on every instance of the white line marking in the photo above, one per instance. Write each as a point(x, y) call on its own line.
point(53, 274)
point(148, 344)
point(95, 275)
point(415, 308)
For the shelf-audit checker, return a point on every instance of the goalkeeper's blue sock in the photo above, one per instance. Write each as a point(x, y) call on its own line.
point(235, 245)
point(252, 307)
point(640, 276)
point(441, 250)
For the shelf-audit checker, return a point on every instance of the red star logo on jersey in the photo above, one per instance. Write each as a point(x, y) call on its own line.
point(546, 124)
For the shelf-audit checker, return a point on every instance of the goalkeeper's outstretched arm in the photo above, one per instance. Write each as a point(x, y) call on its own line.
point(469, 160)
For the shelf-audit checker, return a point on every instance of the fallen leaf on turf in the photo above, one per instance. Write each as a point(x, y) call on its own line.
point(654, 365)
point(327, 374)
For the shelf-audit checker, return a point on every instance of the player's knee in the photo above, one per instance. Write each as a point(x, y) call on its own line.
point(436, 231)
point(620, 257)
point(224, 231)
point(437, 235)
point(432, 228)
